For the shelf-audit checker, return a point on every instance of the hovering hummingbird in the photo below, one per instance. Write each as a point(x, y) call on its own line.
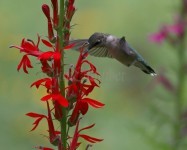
point(107, 45)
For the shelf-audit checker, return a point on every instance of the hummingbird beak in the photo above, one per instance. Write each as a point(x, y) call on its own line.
point(85, 44)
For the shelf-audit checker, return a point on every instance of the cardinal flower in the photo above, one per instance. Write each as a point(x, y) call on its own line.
point(77, 134)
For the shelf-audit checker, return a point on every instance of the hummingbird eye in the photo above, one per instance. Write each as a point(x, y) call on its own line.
point(97, 42)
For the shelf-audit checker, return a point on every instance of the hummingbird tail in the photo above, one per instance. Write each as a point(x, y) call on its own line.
point(145, 68)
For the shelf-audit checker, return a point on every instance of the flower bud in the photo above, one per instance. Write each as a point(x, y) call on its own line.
point(55, 12)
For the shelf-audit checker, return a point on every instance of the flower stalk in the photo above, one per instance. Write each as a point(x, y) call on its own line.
point(175, 35)
point(71, 100)
point(60, 37)
point(180, 92)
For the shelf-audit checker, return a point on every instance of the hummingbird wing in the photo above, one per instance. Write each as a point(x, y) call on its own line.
point(100, 51)
point(96, 51)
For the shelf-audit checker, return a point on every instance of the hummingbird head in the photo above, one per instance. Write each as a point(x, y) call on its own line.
point(96, 39)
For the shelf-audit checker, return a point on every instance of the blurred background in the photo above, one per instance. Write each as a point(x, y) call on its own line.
point(133, 115)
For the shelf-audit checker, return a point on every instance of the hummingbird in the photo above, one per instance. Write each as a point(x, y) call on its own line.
point(107, 45)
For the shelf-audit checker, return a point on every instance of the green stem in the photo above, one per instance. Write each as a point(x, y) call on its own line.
point(60, 33)
point(179, 94)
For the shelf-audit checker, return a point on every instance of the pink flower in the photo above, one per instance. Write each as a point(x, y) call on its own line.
point(168, 31)
point(177, 28)
point(159, 36)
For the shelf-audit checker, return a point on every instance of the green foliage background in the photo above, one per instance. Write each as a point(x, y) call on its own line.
point(128, 120)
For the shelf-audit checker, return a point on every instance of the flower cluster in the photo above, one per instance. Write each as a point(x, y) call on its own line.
point(78, 89)
point(172, 32)
point(175, 36)
point(69, 103)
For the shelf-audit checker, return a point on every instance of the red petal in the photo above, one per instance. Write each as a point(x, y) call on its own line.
point(90, 139)
point(83, 107)
point(46, 55)
point(60, 99)
point(28, 63)
point(25, 62)
point(57, 132)
point(28, 46)
point(43, 148)
point(93, 103)
point(35, 115)
point(93, 68)
point(88, 127)
point(36, 123)
point(74, 142)
point(57, 56)
point(39, 82)
point(46, 43)
point(20, 64)
point(47, 97)
point(69, 46)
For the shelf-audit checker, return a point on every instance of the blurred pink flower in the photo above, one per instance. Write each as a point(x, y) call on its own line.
point(177, 28)
point(159, 36)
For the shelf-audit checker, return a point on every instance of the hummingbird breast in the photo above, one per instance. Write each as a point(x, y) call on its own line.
point(118, 52)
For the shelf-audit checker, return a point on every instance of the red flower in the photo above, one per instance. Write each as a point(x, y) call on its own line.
point(56, 97)
point(46, 11)
point(49, 55)
point(29, 47)
point(38, 117)
point(74, 143)
point(53, 135)
point(24, 63)
point(55, 12)
point(82, 106)
point(52, 89)
point(78, 88)
point(46, 82)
